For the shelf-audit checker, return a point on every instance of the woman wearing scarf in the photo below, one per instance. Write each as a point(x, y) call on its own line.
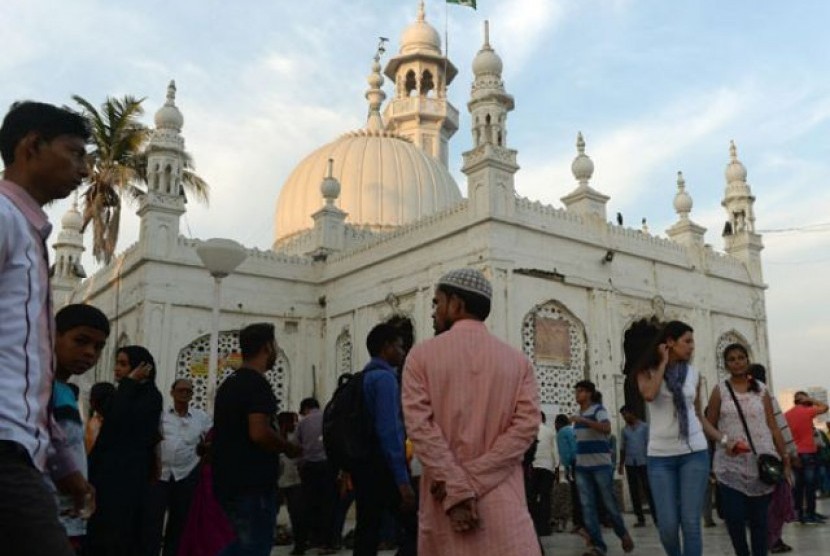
point(678, 456)
point(122, 464)
point(744, 498)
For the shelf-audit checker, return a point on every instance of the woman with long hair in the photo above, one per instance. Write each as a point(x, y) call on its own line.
point(678, 456)
point(123, 462)
point(744, 497)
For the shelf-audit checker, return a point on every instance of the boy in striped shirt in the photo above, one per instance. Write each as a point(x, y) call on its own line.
point(594, 470)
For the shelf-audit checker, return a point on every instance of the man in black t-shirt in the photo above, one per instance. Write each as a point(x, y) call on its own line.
point(247, 445)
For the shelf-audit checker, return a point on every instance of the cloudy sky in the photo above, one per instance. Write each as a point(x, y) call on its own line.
point(655, 86)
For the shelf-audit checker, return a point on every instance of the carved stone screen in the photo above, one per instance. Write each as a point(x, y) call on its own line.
point(344, 353)
point(555, 342)
point(193, 363)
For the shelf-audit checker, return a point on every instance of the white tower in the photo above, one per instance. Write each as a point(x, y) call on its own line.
point(419, 109)
point(490, 166)
point(739, 237)
point(67, 272)
point(162, 207)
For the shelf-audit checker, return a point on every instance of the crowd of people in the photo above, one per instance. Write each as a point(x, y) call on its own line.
point(458, 458)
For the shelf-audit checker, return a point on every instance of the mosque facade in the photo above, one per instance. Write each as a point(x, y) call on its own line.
point(366, 224)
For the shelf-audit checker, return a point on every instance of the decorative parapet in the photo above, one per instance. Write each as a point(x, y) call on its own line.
point(523, 203)
point(400, 231)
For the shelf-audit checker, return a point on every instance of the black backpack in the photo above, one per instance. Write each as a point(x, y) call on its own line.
point(348, 434)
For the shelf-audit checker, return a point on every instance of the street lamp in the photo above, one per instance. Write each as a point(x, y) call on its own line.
point(220, 257)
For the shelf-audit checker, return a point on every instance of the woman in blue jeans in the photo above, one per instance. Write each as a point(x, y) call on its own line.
point(678, 458)
point(744, 497)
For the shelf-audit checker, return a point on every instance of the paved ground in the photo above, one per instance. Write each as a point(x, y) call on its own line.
point(807, 540)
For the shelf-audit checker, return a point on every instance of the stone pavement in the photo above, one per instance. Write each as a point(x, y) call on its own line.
point(806, 540)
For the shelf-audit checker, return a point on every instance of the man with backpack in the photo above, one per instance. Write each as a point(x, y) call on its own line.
point(382, 481)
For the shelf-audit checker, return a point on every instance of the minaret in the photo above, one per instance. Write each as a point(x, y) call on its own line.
point(162, 206)
point(490, 166)
point(684, 231)
point(585, 200)
point(67, 271)
point(739, 237)
point(329, 221)
point(419, 109)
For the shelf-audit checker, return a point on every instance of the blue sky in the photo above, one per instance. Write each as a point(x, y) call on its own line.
point(655, 86)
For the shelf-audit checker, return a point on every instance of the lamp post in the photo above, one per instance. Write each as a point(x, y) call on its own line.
point(220, 257)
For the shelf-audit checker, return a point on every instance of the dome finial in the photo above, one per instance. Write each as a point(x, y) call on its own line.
point(735, 170)
point(487, 33)
point(682, 200)
point(582, 166)
point(171, 93)
point(375, 94)
point(330, 188)
point(422, 13)
point(169, 116)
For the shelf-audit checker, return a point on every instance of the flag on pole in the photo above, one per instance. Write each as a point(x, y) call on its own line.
point(468, 3)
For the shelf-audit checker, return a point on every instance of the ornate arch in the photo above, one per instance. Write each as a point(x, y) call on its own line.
point(555, 341)
point(193, 360)
point(730, 337)
point(344, 352)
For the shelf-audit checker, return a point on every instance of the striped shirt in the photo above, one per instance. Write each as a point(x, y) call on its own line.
point(27, 332)
point(593, 449)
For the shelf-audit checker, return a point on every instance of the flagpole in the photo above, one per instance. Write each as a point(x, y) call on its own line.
point(446, 39)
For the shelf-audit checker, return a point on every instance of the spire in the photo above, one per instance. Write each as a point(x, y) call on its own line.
point(684, 231)
point(585, 199)
point(487, 64)
point(682, 200)
point(375, 94)
point(582, 166)
point(330, 188)
point(422, 12)
point(169, 116)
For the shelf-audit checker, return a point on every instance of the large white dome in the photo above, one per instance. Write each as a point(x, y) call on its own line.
point(385, 181)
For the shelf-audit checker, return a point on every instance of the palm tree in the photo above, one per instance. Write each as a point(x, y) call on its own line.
point(119, 168)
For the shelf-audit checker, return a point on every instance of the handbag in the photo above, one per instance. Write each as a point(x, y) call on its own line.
point(770, 468)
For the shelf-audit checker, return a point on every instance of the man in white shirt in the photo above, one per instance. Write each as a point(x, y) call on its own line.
point(43, 148)
point(541, 483)
point(183, 430)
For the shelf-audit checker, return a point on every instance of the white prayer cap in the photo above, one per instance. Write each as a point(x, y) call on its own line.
point(469, 280)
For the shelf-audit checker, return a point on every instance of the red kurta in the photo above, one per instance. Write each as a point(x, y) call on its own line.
point(472, 409)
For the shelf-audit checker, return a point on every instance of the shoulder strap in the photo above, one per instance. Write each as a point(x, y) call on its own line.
point(741, 415)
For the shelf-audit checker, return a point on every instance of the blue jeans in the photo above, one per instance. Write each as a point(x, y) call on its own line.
point(253, 518)
point(678, 485)
point(593, 482)
point(738, 510)
point(804, 491)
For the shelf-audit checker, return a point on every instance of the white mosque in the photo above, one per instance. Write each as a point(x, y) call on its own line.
point(366, 224)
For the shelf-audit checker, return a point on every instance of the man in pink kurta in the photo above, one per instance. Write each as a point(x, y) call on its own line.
point(471, 406)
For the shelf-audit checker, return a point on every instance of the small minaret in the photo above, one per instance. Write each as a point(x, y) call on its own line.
point(419, 109)
point(375, 94)
point(684, 231)
point(67, 271)
point(740, 239)
point(490, 166)
point(585, 200)
point(162, 206)
point(329, 221)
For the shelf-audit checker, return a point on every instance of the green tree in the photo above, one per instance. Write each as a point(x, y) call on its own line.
point(118, 168)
